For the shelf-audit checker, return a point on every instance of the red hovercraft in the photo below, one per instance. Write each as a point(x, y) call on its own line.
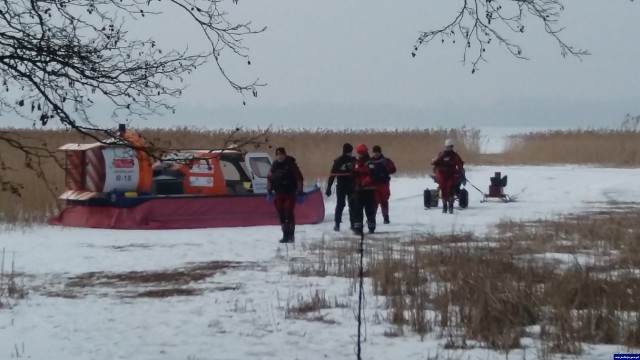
point(115, 185)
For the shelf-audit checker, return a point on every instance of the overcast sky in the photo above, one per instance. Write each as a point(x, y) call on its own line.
point(339, 63)
point(347, 63)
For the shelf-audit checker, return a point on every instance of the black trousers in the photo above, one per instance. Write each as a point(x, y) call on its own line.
point(364, 201)
point(344, 198)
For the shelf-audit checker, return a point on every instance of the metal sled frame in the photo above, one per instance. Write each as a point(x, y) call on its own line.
point(504, 197)
point(496, 189)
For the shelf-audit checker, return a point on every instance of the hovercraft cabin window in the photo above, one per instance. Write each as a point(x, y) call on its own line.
point(260, 166)
point(236, 178)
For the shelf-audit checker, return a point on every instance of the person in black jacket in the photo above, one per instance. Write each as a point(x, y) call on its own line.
point(286, 181)
point(342, 169)
point(383, 167)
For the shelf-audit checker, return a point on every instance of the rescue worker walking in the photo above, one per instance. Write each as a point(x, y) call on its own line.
point(364, 195)
point(285, 180)
point(449, 169)
point(383, 167)
point(342, 170)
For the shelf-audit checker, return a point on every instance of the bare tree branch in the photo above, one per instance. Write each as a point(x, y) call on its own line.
point(478, 23)
point(57, 58)
point(60, 57)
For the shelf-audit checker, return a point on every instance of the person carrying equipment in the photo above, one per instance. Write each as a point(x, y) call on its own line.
point(449, 168)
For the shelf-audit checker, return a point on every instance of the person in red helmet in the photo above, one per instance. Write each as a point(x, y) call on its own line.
point(364, 195)
point(449, 168)
point(285, 180)
point(380, 173)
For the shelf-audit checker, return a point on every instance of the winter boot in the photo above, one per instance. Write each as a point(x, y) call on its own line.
point(336, 227)
point(357, 229)
point(451, 207)
point(288, 237)
point(386, 218)
point(292, 234)
point(285, 235)
point(444, 207)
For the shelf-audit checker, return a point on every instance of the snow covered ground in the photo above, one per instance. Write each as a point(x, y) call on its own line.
point(240, 311)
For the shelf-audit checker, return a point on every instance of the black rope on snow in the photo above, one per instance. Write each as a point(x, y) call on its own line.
point(360, 294)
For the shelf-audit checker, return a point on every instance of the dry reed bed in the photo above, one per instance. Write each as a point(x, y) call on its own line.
point(10, 290)
point(410, 149)
point(600, 147)
point(182, 281)
point(310, 308)
point(494, 292)
point(314, 149)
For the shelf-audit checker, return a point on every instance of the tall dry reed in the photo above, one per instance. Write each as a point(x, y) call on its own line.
point(497, 290)
point(599, 147)
point(411, 150)
point(315, 150)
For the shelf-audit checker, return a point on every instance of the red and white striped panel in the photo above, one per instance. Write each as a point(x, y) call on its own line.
point(74, 171)
point(74, 146)
point(78, 195)
point(94, 170)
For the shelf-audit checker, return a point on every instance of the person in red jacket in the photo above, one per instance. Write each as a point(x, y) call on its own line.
point(285, 180)
point(364, 195)
point(449, 168)
point(383, 167)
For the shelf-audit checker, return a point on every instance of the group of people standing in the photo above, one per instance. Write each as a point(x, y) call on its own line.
point(362, 184)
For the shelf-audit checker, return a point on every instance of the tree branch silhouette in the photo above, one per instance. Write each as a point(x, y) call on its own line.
point(478, 23)
point(59, 58)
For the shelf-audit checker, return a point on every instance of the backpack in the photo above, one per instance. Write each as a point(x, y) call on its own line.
point(378, 171)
